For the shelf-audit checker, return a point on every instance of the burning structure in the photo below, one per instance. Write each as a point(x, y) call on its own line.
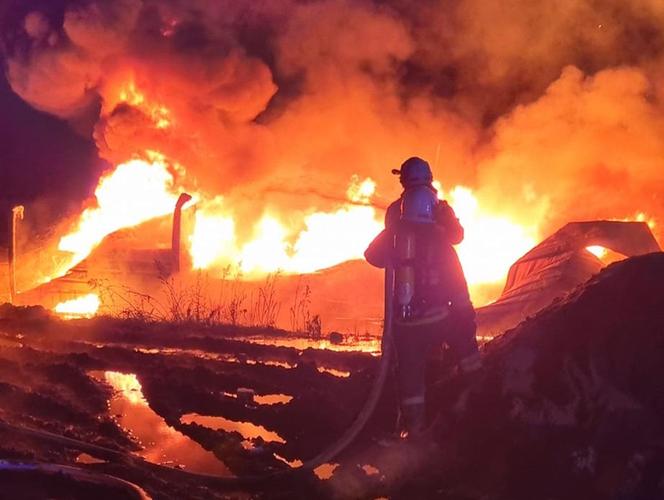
point(181, 97)
point(227, 162)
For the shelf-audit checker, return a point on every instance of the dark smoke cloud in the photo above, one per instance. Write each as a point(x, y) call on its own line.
point(534, 104)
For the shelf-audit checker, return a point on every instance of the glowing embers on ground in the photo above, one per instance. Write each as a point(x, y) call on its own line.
point(81, 307)
point(135, 192)
point(161, 443)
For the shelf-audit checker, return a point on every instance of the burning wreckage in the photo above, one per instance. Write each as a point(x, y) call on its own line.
point(128, 408)
point(204, 326)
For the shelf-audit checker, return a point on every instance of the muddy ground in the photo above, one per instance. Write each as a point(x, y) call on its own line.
point(568, 405)
point(52, 378)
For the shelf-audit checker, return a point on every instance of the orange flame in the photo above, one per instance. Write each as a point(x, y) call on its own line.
point(130, 94)
point(81, 307)
point(142, 189)
point(136, 191)
point(492, 242)
point(327, 239)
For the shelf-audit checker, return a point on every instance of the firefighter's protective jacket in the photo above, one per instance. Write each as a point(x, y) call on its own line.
point(449, 232)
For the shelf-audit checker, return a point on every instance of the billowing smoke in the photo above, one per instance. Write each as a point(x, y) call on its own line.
point(550, 110)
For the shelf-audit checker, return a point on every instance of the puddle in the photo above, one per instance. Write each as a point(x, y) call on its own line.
point(273, 399)
point(294, 464)
point(325, 471)
point(247, 430)
point(198, 353)
point(332, 371)
point(161, 443)
point(232, 359)
point(84, 458)
point(212, 356)
point(280, 364)
point(370, 470)
point(371, 346)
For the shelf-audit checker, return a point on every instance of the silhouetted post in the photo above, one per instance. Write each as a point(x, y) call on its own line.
point(177, 228)
point(17, 214)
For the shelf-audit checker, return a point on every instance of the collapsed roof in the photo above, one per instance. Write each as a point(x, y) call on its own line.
point(559, 264)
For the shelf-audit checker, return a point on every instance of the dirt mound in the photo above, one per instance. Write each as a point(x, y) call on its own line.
point(569, 403)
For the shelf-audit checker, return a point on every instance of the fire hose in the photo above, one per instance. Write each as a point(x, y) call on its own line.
point(75, 473)
point(387, 354)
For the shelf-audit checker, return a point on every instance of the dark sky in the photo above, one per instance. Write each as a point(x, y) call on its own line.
point(43, 162)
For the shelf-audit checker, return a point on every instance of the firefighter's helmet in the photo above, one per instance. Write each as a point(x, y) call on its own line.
point(414, 172)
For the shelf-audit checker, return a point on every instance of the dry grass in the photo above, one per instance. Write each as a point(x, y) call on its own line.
point(301, 319)
point(204, 301)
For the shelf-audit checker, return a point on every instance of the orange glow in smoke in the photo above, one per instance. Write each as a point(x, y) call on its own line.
point(130, 94)
point(81, 307)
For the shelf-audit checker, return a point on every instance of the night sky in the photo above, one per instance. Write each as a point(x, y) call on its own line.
point(42, 159)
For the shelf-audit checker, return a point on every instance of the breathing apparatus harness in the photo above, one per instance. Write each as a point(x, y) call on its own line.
point(415, 252)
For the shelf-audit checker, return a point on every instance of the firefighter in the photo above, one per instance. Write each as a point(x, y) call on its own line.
point(431, 303)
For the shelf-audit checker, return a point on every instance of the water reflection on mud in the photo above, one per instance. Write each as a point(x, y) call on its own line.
point(333, 371)
point(325, 471)
point(161, 443)
point(273, 399)
point(370, 345)
point(246, 429)
point(233, 359)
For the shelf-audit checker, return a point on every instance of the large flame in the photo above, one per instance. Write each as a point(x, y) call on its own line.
point(491, 245)
point(290, 242)
point(324, 239)
point(142, 189)
point(492, 242)
point(135, 192)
